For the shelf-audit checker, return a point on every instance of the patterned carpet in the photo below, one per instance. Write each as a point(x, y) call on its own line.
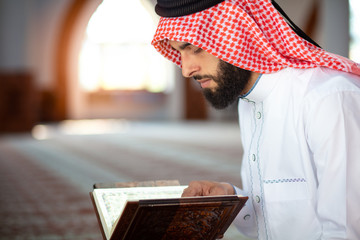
point(45, 177)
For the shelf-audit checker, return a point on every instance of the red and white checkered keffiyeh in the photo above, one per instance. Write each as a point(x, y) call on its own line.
point(249, 34)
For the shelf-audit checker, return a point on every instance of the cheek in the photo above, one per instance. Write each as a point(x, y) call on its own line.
point(215, 64)
point(210, 62)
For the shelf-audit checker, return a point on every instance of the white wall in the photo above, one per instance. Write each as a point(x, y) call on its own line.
point(28, 35)
point(13, 17)
point(334, 26)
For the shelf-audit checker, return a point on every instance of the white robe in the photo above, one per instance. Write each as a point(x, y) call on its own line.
point(301, 165)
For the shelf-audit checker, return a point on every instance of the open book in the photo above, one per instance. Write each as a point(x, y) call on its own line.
point(159, 212)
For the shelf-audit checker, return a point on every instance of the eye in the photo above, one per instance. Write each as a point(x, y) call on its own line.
point(197, 50)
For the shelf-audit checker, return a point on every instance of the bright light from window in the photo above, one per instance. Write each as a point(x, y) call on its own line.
point(117, 53)
point(355, 30)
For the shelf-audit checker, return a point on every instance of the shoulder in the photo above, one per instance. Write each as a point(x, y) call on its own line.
point(323, 81)
point(317, 83)
point(331, 93)
point(313, 89)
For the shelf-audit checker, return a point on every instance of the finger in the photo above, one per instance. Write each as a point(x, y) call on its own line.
point(190, 192)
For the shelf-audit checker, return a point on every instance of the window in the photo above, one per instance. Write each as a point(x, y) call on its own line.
point(117, 54)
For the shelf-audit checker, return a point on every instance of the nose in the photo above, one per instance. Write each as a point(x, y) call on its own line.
point(189, 66)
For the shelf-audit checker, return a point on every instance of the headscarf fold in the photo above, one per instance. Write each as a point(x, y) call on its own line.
point(250, 34)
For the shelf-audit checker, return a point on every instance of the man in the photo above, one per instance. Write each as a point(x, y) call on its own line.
point(299, 114)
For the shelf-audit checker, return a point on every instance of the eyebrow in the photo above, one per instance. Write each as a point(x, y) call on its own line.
point(182, 46)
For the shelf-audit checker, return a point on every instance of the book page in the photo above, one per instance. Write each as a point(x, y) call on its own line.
point(111, 201)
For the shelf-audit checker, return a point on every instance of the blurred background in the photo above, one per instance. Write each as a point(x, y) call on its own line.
point(85, 98)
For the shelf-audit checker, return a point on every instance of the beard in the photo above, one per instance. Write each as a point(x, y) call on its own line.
point(231, 81)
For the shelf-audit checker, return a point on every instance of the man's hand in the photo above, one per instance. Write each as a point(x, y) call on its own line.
point(207, 188)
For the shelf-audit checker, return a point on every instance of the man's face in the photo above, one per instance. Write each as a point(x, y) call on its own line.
point(222, 83)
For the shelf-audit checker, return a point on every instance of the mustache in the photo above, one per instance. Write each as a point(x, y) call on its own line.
point(200, 77)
